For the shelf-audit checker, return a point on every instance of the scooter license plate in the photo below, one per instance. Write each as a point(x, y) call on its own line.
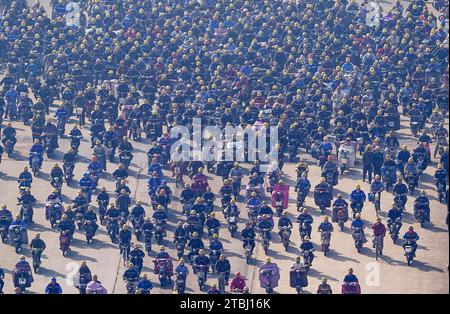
point(79, 111)
point(391, 124)
point(408, 249)
point(22, 281)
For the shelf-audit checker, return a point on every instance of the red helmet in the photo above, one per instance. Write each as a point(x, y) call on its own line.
point(330, 157)
point(94, 158)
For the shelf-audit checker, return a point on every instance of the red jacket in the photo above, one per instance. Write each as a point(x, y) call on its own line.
point(379, 229)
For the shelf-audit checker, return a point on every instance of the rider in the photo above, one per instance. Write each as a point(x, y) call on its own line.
point(53, 287)
point(358, 223)
point(379, 231)
point(422, 202)
point(307, 246)
point(265, 223)
point(223, 266)
point(393, 214)
point(195, 244)
point(307, 219)
point(326, 225)
point(248, 235)
point(411, 236)
point(201, 260)
point(350, 277)
point(284, 221)
point(144, 285)
point(125, 239)
point(400, 190)
point(9, 134)
point(37, 148)
point(238, 282)
point(137, 257)
point(357, 198)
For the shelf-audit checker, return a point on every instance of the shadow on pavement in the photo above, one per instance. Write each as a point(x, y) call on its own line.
point(334, 255)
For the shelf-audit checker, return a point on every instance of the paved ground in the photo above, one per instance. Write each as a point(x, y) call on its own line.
point(390, 274)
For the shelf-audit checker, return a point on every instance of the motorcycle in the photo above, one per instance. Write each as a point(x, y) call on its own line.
point(346, 158)
point(412, 183)
point(110, 150)
point(180, 245)
point(298, 279)
point(358, 237)
point(61, 126)
point(112, 227)
point(131, 286)
point(248, 250)
point(285, 236)
point(163, 269)
point(79, 220)
point(213, 257)
point(301, 196)
point(378, 243)
point(304, 230)
point(441, 191)
point(409, 252)
point(375, 199)
point(17, 237)
point(135, 130)
point(148, 234)
point(36, 162)
point(54, 214)
point(306, 254)
point(75, 141)
point(22, 279)
point(421, 216)
point(181, 283)
point(4, 226)
point(137, 223)
point(125, 158)
point(9, 148)
point(160, 233)
point(36, 255)
point(269, 276)
point(232, 224)
point(322, 198)
point(399, 201)
point(394, 229)
point(89, 228)
point(236, 183)
point(325, 237)
point(265, 239)
point(350, 288)
point(222, 282)
point(68, 170)
point(27, 213)
point(64, 244)
point(389, 176)
point(201, 272)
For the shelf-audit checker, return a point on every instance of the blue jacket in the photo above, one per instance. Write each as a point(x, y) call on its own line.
point(145, 284)
point(37, 148)
point(350, 278)
point(357, 223)
point(303, 185)
point(376, 186)
point(403, 156)
point(411, 236)
point(358, 196)
point(216, 246)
